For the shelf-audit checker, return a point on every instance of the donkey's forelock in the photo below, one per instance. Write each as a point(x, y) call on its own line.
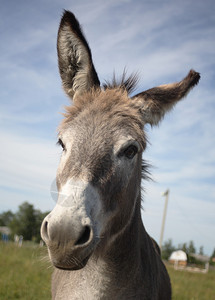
point(112, 105)
point(128, 83)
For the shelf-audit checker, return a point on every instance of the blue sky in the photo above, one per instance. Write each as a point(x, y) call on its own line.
point(161, 40)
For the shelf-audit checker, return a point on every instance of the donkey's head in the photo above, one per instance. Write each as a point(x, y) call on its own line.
point(102, 137)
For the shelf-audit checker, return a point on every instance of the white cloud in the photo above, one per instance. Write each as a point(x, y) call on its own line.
point(28, 166)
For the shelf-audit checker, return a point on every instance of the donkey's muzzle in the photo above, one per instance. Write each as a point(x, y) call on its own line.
point(71, 228)
point(69, 248)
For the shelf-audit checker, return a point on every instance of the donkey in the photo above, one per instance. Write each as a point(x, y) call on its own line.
point(95, 236)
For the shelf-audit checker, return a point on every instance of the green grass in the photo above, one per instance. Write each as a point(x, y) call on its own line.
point(25, 275)
point(23, 272)
point(192, 286)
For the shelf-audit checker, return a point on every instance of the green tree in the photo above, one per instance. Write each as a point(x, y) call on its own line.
point(183, 247)
point(167, 249)
point(213, 253)
point(6, 217)
point(24, 222)
point(191, 248)
point(212, 258)
point(201, 250)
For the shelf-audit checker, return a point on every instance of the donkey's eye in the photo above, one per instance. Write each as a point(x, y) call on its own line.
point(61, 144)
point(131, 151)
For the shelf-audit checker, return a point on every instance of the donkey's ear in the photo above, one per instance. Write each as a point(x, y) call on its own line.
point(74, 58)
point(155, 102)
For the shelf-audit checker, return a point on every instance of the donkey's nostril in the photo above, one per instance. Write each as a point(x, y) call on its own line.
point(85, 236)
point(45, 230)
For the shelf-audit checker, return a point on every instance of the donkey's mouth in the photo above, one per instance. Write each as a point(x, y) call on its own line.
point(72, 260)
point(73, 265)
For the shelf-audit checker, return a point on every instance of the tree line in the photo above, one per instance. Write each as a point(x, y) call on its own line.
point(26, 222)
point(189, 248)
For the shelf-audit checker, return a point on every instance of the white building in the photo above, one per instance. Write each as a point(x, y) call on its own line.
point(178, 257)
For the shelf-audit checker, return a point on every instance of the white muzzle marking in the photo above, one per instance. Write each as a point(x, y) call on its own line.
point(78, 205)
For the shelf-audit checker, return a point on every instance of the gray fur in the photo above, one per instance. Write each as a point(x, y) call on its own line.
point(95, 235)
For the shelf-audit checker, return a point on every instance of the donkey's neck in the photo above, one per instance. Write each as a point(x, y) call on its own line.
point(124, 251)
point(119, 268)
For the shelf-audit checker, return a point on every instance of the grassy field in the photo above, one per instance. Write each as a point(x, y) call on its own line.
point(24, 274)
point(192, 286)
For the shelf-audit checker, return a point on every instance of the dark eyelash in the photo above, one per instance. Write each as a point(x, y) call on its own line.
point(59, 142)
